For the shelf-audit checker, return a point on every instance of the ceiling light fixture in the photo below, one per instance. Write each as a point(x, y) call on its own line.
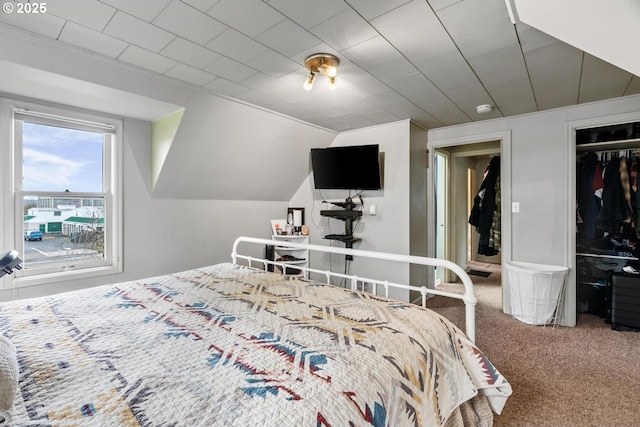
point(325, 64)
point(484, 108)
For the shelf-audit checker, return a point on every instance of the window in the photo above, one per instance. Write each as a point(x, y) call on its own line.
point(65, 184)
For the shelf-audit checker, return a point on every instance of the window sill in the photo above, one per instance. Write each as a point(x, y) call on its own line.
point(64, 276)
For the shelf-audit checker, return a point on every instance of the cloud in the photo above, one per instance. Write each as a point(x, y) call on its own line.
point(46, 171)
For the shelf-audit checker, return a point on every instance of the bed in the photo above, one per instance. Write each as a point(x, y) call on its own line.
point(235, 345)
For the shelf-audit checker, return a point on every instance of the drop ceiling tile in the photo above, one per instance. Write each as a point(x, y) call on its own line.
point(143, 58)
point(250, 17)
point(438, 5)
point(558, 91)
point(133, 30)
point(190, 53)
point(46, 24)
point(486, 39)
point(509, 57)
point(190, 23)
point(514, 103)
point(593, 65)
point(468, 96)
point(611, 84)
point(407, 83)
point(428, 97)
point(472, 15)
point(308, 13)
point(201, 5)
point(260, 81)
point(230, 69)
point(371, 52)
point(89, 13)
point(274, 64)
point(225, 87)
point(371, 9)
point(146, 10)
point(92, 40)
point(449, 115)
point(633, 87)
point(391, 70)
point(344, 30)
point(190, 74)
point(236, 45)
point(531, 39)
point(555, 60)
point(288, 38)
point(447, 71)
point(415, 30)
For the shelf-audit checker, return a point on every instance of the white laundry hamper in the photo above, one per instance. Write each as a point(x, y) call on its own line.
point(537, 291)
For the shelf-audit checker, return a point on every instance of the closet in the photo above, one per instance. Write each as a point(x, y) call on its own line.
point(607, 213)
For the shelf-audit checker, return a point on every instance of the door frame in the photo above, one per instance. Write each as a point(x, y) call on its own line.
point(504, 137)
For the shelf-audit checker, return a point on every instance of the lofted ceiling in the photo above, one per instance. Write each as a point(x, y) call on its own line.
point(432, 61)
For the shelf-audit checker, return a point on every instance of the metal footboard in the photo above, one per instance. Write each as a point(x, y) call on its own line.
point(468, 297)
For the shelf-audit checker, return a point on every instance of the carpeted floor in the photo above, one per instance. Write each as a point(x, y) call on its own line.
point(561, 377)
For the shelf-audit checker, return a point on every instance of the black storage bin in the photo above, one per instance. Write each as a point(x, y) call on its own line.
point(625, 301)
point(592, 298)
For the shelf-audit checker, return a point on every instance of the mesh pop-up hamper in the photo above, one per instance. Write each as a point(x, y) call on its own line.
point(537, 291)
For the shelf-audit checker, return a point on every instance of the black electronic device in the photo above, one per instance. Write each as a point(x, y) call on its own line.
point(346, 168)
point(9, 262)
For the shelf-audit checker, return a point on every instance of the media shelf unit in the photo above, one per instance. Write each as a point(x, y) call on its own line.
point(282, 252)
point(348, 214)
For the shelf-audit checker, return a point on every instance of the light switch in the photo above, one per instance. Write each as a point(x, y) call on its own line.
point(515, 207)
point(372, 210)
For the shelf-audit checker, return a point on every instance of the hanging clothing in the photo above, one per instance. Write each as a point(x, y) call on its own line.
point(615, 207)
point(588, 186)
point(484, 208)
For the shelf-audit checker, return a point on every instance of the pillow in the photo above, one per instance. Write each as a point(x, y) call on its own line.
point(8, 378)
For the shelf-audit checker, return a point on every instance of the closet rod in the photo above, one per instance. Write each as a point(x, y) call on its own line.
point(609, 145)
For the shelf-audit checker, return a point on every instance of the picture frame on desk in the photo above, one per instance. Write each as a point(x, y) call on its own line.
point(278, 226)
point(290, 212)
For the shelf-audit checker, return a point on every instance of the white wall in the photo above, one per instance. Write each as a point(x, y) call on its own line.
point(541, 170)
point(388, 230)
point(167, 235)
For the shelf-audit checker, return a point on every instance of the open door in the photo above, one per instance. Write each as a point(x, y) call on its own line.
point(441, 165)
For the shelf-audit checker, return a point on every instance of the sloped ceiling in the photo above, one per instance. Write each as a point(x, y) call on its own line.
point(230, 151)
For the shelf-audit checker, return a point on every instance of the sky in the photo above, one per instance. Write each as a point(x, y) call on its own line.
point(60, 159)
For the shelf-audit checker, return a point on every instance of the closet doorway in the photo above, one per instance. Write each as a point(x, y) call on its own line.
point(460, 172)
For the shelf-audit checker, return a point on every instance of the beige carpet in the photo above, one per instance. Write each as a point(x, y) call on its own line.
point(583, 376)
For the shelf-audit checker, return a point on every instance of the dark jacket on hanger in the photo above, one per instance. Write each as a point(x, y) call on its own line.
point(484, 206)
point(588, 202)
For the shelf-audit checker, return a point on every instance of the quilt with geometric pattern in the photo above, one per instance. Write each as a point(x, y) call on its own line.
point(233, 346)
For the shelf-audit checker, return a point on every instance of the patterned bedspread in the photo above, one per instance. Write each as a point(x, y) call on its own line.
point(233, 346)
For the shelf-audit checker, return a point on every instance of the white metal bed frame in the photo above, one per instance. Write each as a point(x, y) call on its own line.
point(468, 297)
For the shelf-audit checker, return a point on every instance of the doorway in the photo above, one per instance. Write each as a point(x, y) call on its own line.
point(459, 172)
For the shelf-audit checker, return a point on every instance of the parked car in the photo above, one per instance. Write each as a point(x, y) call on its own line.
point(33, 235)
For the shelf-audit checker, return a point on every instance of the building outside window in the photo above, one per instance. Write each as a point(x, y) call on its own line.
point(65, 184)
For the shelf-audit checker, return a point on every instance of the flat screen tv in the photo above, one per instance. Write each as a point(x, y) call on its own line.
point(346, 168)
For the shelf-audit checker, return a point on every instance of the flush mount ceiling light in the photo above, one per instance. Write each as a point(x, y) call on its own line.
point(324, 64)
point(484, 108)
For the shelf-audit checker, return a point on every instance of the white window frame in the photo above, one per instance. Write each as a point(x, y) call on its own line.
point(12, 194)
